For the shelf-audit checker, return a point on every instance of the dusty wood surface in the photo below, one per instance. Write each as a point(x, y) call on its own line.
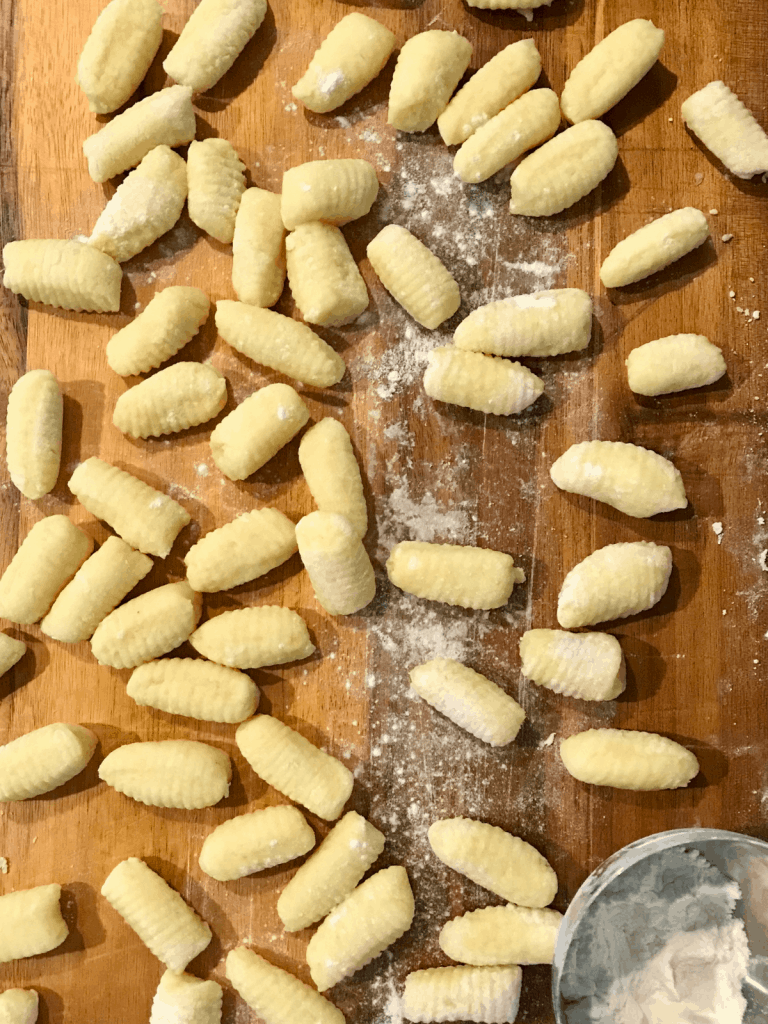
point(696, 662)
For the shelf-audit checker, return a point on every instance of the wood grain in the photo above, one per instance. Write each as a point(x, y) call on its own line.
point(695, 662)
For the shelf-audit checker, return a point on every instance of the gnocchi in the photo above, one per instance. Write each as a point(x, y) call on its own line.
point(323, 276)
point(332, 473)
point(632, 479)
point(169, 773)
point(654, 246)
point(11, 652)
point(483, 383)
point(195, 689)
point(502, 935)
point(293, 766)
point(545, 323)
point(675, 363)
point(589, 666)
point(43, 760)
point(216, 186)
point(489, 994)
point(613, 582)
point(33, 433)
point(238, 552)
point(254, 637)
point(370, 919)
point(68, 274)
point(176, 398)
point(625, 759)
point(274, 994)
point(455, 574)
point(338, 565)
point(728, 129)
point(254, 842)
point(428, 69)
point(184, 999)
point(31, 922)
point(171, 318)
point(18, 1006)
point(258, 248)
point(469, 699)
point(333, 191)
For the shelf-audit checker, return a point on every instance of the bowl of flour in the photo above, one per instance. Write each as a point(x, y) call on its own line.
point(672, 929)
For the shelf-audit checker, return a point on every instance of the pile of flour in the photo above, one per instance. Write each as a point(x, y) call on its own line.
point(660, 946)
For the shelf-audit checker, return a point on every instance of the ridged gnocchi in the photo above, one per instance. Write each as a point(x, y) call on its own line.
point(254, 637)
point(654, 246)
point(258, 248)
point(323, 276)
point(254, 842)
point(337, 563)
point(171, 318)
point(216, 185)
point(485, 994)
point(275, 995)
point(675, 363)
point(334, 191)
point(332, 472)
point(184, 999)
point(195, 689)
point(31, 922)
point(483, 383)
point(33, 429)
point(589, 666)
point(176, 398)
point(169, 773)
point(502, 935)
point(68, 274)
point(456, 574)
point(545, 323)
point(728, 129)
point(238, 552)
point(428, 69)
point(625, 759)
point(44, 759)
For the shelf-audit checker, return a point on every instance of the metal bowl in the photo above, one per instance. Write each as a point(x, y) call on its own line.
point(739, 857)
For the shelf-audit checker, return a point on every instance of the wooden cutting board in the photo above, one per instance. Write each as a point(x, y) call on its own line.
point(695, 662)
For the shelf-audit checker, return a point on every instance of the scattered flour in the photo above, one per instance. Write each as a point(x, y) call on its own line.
point(717, 529)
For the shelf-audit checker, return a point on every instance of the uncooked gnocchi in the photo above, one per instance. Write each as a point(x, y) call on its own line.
point(147, 626)
point(171, 318)
point(258, 248)
point(632, 479)
point(334, 191)
point(180, 396)
point(502, 935)
point(332, 472)
point(31, 922)
point(547, 323)
point(169, 773)
point(456, 574)
point(323, 277)
point(146, 204)
point(585, 665)
point(68, 274)
point(491, 857)
point(254, 637)
point(337, 563)
point(413, 276)
point(18, 1006)
point(33, 432)
point(613, 582)
point(728, 129)
point(11, 652)
point(331, 873)
point(295, 767)
point(254, 842)
point(469, 699)
point(654, 246)
point(184, 999)
point(485, 994)
point(428, 69)
point(625, 759)
point(145, 518)
point(370, 919)
point(483, 383)
point(274, 994)
point(196, 689)
point(166, 925)
point(44, 759)
point(216, 186)
point(675, 363)
point(238, 552)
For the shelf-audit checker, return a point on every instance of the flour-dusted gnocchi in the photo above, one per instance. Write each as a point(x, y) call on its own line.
point(334, 191)
point(497, 84)
point(118, 52)
point(613, 582)
point(728, 129)
point(521, 126)
point(585, 665)
point(675, 363)
point(521, 6)
point(501, 935)
point(469, 699)
point(216, 185)
point(654, 246)
point(144, 517)
point(610, 69)
point(49, 556)
point(483, 383)
point(625, 759)
point(68, 274)
point(325, 283)
point(146, 205)
point(164, 118)
point(184, 999)
point(331, 873)
point(254, 842)
point(254, 637)
point(178, 397)
point(485, 994)
point(413, 276)
point(456, 574)
point(274, 994)
point(428, 69)
point(148, 626)
point(632, 479)
point(332, 472)
point(212, 40)
point(491, 857)
point(33, 433)
point(31, 922)
point(44, 759)
point(563, 170)
point(238, 552)
point(337, 563)
point(279, 342)
point(546, 323)
point(370, 919)
point(18, 1006)
point(258, 248)
point(166, 925)
point(257, 429)
point(294, 766)
point(350, 56)
point(171, 318)
point(11, 652)
point(196, 689)
point(169, 773)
